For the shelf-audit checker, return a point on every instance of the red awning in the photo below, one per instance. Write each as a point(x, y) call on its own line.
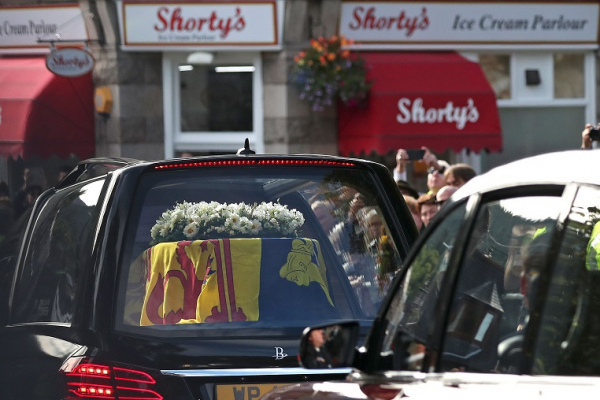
point(438, 100)
point(44, 114)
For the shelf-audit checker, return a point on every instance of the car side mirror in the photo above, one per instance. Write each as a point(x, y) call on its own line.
point(329, 346)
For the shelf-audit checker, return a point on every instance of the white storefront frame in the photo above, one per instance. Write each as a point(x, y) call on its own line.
point(176, 140)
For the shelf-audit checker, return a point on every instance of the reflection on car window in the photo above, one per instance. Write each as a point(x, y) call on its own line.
point(568, 338)
point(488, 305)
point(47, 284)
point(288, 247)
point(412, 306)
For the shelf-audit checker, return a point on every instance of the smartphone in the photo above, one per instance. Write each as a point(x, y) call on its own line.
point(415, 154)
point(594, 135)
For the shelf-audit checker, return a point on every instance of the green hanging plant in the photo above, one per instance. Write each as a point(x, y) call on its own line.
point(327, 71)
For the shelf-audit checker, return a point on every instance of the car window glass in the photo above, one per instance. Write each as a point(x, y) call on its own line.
point(57, 253)
point(487, 305)
point(567, 340)
point(288, 247)
point(412, 307)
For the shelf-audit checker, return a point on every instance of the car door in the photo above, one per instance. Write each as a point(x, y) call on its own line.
point(500, 284)
point(45, 313)
point(450, 304)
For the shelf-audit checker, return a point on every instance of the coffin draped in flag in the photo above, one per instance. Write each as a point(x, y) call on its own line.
point(224, 280)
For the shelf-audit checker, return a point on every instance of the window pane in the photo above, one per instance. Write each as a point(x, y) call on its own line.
point(48, 282)
point(215, 101)
point(487, 306)
point(569, 78)
point(412, 307)
point(338, 264)
point(496, 68)
point(567, 342)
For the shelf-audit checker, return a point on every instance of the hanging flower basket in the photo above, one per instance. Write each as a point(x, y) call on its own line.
point(326, 72)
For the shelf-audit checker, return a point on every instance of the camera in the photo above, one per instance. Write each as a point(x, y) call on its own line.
point(595, 134)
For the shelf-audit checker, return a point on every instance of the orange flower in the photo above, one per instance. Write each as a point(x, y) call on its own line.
point(301, 54)
point(345, 53)
point(322, 60)
point(333, 39)
point(316, 45)
point(331, 56)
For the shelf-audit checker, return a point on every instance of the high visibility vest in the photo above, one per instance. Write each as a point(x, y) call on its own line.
point(592, 259)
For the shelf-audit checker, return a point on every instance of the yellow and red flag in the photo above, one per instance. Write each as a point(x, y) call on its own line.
point(223, 280)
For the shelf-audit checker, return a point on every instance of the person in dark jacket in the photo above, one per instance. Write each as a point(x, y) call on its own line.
point(316, 354)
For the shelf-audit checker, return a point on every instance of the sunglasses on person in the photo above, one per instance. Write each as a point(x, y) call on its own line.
point(440, 171)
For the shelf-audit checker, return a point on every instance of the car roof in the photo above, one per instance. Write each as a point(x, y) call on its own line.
point(92, 167)
point(581, 166)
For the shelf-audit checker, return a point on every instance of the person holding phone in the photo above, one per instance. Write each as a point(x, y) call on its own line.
point(403, 157)
point(402, 160)
point(590, 135)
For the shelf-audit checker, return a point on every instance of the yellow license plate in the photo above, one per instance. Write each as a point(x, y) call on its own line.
point(245, 392)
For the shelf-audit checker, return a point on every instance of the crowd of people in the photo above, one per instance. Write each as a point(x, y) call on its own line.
point(16, 208)
point(443, 180)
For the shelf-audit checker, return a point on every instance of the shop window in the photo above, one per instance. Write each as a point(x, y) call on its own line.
point(569, 77)
point(496, 68)
point(216, 98)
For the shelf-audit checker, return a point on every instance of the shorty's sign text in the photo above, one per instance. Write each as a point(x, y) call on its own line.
point(70, 62)
point(413, 23)
point(199, 24)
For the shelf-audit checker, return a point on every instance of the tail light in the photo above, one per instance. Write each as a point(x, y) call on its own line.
point(87, 380)
point(382, 391)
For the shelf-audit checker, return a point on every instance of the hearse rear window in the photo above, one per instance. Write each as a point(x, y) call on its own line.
point(226, 247)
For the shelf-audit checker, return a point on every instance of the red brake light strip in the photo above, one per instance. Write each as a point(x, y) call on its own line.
point(253, 162)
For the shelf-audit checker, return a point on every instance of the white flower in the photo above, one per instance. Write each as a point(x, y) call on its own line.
point(155, 231)
point(234, 220)
point(255, 226)
point(191, 230)
point(164, 230)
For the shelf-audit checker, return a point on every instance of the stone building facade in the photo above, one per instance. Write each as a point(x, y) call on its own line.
point(135, 126)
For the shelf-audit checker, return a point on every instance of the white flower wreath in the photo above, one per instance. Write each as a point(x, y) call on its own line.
point(191, 221)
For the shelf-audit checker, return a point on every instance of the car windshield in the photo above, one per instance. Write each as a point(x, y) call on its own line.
point(253, 247)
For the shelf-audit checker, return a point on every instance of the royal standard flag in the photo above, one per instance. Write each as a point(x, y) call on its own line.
point(224, 280)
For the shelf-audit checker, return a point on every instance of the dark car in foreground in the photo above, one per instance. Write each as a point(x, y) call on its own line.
point(193, 278)
point(499, 297)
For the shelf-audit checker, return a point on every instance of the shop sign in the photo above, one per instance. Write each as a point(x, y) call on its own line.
point(22, 28)
point(400, 24)
point(70, 62)
point(198, 24)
